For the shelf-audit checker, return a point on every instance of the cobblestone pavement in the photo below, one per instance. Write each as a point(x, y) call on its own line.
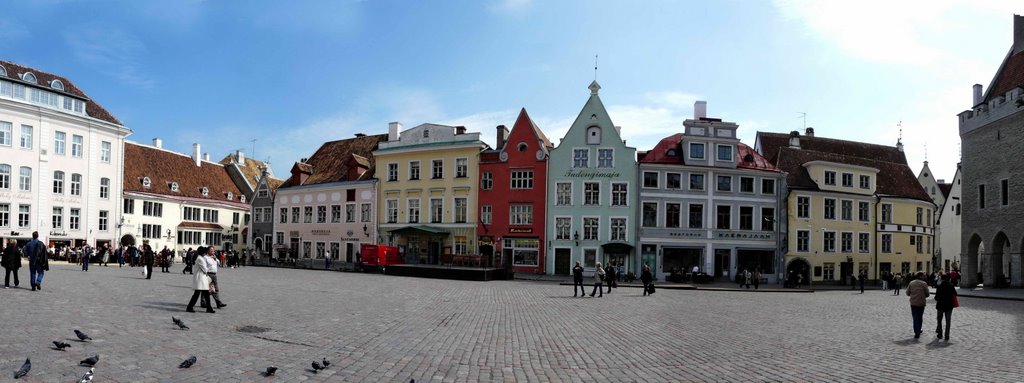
point(378, 328)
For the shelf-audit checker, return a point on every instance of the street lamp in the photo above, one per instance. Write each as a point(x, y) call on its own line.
point(366, 231)
point(576, 237)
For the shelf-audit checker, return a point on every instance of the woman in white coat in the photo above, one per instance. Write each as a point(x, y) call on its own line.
point(201, 284)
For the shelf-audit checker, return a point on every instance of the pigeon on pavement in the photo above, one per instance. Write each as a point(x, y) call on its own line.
point(317, 367)
point(24, 369)
point(271, 371)
point(181, 325)
point(91, 361)
point(188, 362)
point(82, 336)
point(60, 345)
point(87, 377)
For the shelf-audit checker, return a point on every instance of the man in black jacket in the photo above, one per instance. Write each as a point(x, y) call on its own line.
point(646, 278)
point(577, 280)
point(147, 258)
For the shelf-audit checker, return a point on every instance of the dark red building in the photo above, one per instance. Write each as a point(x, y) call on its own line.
point(513, 181)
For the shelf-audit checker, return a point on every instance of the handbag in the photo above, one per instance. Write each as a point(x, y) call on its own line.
point(650, 288)
point(956, 302)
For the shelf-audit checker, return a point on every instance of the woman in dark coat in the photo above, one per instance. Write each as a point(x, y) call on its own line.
point(945, 296)
point(12, 262)
point(646, 278)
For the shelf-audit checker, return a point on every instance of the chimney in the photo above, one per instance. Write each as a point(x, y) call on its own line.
point(393, 128)
point(977, 95)
point(460, 130)
point(360, 135)
point(158, 143)
point(501, 136)
point(700, 110)
point(941, 181)
point(240, 158)
point(794, 139)
point(206, 157)
point(899, 145)
point(809, 132)
point(1018, 34)
point(618, 130)
point(195, 153)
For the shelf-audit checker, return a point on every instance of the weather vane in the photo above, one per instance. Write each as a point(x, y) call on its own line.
point(595, 67)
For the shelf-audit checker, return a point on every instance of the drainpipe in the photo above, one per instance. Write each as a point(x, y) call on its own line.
point(878, 200)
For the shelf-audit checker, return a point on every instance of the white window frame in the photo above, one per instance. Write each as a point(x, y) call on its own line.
point(59, 142)
point(77, 145)
point(594, 233)
point(689, 151)
point(563, 196)
point(610, 159)
point(580, 158)
point(520, 214)
point(624, 231)
point(732, 153)
point(461, 167)
point(521, 179)
point(807, 241)
point(25, 141)
point(567, 231)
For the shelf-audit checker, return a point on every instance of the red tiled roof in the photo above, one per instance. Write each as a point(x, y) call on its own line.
point(92, 108)
point(1010, 75)
point(659, 155)
point(164, 167)
point(750, 159)
point(332, 160)
point(251, 171)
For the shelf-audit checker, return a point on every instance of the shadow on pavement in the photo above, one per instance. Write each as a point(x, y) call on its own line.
point(906, 342)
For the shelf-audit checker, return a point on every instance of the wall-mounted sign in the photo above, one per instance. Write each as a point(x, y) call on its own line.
point(591, 174)
point(525, 230)
point(320, 232)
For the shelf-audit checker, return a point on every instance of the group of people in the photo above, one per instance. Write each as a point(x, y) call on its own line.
point(606, 276)
point(945, 301)
point(204, 281)
point(38, 262)
point(746, 277)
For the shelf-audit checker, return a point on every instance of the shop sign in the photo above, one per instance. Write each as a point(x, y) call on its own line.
point(525, 230)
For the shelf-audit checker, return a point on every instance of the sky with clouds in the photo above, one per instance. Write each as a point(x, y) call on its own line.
point(292, 75)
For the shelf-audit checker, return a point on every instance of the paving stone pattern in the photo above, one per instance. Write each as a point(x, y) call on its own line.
point(376, 328)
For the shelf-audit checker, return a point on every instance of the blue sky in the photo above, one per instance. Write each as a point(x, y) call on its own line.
point(295, 74)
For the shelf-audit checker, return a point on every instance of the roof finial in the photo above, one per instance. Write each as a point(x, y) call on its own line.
point(595, 67)
point(926, 153)
point(900, 138)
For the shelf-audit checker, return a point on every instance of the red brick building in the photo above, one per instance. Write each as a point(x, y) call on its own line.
point(513, 181)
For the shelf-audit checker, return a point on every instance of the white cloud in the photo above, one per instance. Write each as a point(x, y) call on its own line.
point(111, 51)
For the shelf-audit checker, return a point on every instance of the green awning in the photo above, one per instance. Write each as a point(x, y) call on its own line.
point(420, 230)
point(617, 247)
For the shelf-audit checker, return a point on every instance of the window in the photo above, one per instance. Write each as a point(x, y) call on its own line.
point(593, 135)
point(724, 183)
point(175, 187)
point(746, 218)
point(486, 181)
point(5, 215)
point(129, 206)
point(673, 180)
point(829, 271)
point(25, 181)
point(146, 183)
point(589, 257)
point(803, 241)
point(920, 216)
point(436, 210)
point(865, 182)
point(696, 217)
point(803, 207)
point(830, 208)
point(58, 182)
point(929, 221)
point(321, 214)
point(234, 218)
point(26, 137)
point(580, 158)
point(848, 180)
point(283, 216)
point(1005, 192)
point(725, 152)
point(426, 133)
point(104, 220)
point(746, 185)
point(5, 133)
point(56, 84)
point(829, 241)
point(29, 77)
point(605, 158)
point(650, 214)
point(830, 177)
point(392, 172)
point(153, 231)
point(672, 212)
point(461, 168)
point(105, 152)
point(696, 181)
point(460, 245)
point(485, 214)
point(392, 210)
point(105, 188)
point(767, 186)
point(619, 194)
point(413, 204)
point(591, 225)
point(5, 176)
point(724, 217)
point(307, 214)
point(211, 216)
point(59, 140)
point(76, 184)
point(364, 214)
point(24, 216)
point(886, 213)
point(846, 242)
point(863, 242)
point(863, 211)
point(697, 151)
point(335, 213)
point(887, 243)
point(192, 214)
point(520, 215)
point(437, 169)
point(76, 146)
point(296, 212)
point(58, 218)
point(981, 196)
point(618, 229)
point(767, 218)
point(650, 179)
point(846, 210)
point(524, 252)
point(350, 212)
point(461, 207)
point(563, 225)
point(591, 193)
point(563, 193)
point(920, 244)
point(522, 179)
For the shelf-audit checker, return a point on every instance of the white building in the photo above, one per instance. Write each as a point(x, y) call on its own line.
point(949, 227)
point(60, 160)
point(179, 201)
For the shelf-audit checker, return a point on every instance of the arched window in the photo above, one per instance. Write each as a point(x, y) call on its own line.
point(231, 196)
point(29, 77)
point(241, 199)
point(56, 84)
point(5, 176)
point(593, 135)
point(58, 182)
point(671, 153)
point(174, 187)
point(146, 182)
point(205, 191)
point(3, 70)
point(522, 146)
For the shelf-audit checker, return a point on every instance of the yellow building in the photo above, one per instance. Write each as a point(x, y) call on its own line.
point(427, 193)
point(852, 207)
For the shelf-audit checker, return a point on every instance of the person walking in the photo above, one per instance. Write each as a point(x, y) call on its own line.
point(147, 258)
point(646, 278)
point(945, 301)
point(86, 257)
point(187, 260)
point(12, 262)
point(120, 256)
point(863, 277)
point(897, 282)
point(211, 271)
point(577, 280)
point(201, 285)
point(37, 262)
point(756, 277)
point(885, 280)
point(599, 275)
point(609, 273)
point(917, 290)
point(165, 260)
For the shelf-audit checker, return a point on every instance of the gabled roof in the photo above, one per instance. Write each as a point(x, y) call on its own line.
point(523, 121)
point(92, 108)
point(945, 188)
point(164, 167)
point(1009, 75)
point(332, 161)
point(252, 171)
point(751, 159)
point(894, 175)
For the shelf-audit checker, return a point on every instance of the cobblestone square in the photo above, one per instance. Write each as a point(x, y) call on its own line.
point(376, 328)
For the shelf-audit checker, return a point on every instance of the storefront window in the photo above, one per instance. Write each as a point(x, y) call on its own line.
point(524, 252)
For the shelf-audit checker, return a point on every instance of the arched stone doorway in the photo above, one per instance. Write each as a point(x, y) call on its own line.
point(798, 266)
point(257, 243)
point(996, 268)
point(127, 240)
point(970, 264)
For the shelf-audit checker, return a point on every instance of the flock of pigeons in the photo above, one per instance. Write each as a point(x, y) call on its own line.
point(91, 361)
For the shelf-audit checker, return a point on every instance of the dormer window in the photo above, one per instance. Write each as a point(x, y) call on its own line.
point(146, 182)
point(241, 199)
point(671, 153)
point(593, 135)
point(174, 187)
point(29, 77)
point(56, 84)
point(231, 196)
point(3, 71)
point(205, 191)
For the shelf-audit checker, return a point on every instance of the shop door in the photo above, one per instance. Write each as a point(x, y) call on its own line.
point(563, 259)
point(846, 270)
